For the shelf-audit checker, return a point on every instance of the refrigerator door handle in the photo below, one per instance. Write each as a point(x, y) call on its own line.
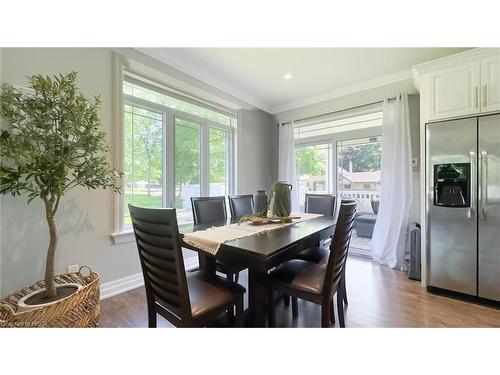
point(484, 186)
point(471, 213)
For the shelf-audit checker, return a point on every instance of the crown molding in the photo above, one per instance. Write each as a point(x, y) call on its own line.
point(206, 80)
point(367, 85)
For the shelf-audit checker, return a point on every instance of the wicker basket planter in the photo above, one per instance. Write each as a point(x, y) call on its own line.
point(79, 310)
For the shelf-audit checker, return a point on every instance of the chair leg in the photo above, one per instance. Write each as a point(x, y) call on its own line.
point(326, 314)
point(343, 288)
point(332, 313)
point(295, 307)
point(151, 318)
point(286, 300)
point(340, 309)
point(270, 307)
point(236, 277)
point(240, 316)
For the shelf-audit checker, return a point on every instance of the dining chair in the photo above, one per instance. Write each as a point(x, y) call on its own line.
point(320, 204)
point(212, 210)
point(324, 204)
point(240, 205)
point(313, 282)
point(319, 255)
point(184, 300)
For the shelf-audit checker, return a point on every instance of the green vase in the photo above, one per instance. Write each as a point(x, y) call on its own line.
point(282, 199)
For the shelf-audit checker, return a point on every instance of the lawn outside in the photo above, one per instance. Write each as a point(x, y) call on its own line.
point(140, 198)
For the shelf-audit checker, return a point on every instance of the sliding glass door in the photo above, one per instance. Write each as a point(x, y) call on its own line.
point(313, 169)
point(358, 178)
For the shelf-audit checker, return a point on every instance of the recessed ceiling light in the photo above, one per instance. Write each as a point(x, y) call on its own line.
point(287, 76)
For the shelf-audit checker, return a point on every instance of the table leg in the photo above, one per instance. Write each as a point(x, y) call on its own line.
point(257, 296)
point(207, 264)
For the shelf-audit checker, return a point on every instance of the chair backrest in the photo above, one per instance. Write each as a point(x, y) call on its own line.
point(339, 247)
point(209, 210)
point(160, 254)
point(240, 205)
point(320, 204)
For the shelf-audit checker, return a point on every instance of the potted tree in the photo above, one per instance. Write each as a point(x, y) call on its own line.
point(54, 144)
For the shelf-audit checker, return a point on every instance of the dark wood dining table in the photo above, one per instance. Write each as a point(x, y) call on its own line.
point(261, 252)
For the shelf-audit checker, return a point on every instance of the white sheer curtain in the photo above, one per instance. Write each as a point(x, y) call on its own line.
point(388, 241)
point(286, 161)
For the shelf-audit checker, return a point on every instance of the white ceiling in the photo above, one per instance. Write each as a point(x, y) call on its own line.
point(255, 75)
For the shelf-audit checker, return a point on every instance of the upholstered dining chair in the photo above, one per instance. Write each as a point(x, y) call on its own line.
point(320, 204)
point(184, 300)
point(212, 210)
point(319, 255)
point(313, 282)
point(324, 204)
point(240, 205)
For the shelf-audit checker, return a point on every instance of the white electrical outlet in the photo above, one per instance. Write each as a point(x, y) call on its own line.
point(73, 268)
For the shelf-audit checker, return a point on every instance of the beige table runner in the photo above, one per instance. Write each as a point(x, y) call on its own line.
point(210, 239)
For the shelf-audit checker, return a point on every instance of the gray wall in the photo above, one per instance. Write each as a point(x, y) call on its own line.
point(85, 218)
point(361, 98)
point(257, 138)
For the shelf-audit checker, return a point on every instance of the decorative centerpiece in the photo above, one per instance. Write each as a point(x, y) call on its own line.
point(280, 202)
point(54, 144)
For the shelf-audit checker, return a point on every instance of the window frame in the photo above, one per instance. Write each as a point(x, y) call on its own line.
point(332, 140)
point(168, 150)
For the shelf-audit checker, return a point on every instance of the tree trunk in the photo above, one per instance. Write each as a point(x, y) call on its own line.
point(51, 251)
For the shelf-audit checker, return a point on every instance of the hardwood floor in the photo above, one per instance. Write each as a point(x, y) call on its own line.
point(378, 297)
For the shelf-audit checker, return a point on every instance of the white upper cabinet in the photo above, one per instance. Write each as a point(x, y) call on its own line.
point(454, 91)
point(460, 85)
point(490, 84)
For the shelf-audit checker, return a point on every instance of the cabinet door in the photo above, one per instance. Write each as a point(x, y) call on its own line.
point(454, 91)
point(490, 84)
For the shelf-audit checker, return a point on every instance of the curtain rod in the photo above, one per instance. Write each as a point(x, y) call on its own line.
point(345, 109)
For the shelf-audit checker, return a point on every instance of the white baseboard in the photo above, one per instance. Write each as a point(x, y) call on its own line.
point(115, 287)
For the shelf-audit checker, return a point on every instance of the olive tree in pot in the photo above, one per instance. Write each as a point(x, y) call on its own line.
point(54, 144)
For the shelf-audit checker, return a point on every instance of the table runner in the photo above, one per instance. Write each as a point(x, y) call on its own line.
point(210, 239)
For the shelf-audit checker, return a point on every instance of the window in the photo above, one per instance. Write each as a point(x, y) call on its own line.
point(343, 125)
point(313, 170)
point(219, 161)
point(342, 156)
point(174, 103)
point(187, 166)
point(143, 185)
point(174, 149)
point(359, 160)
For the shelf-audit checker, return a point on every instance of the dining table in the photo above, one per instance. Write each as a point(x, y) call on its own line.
point(260, 253)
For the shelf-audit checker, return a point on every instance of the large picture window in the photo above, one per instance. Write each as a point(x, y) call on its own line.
point(174, 149)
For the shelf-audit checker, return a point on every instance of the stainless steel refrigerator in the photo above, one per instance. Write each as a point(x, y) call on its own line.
point(463, 205)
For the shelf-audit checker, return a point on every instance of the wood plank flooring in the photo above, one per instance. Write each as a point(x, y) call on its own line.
point(378, 297)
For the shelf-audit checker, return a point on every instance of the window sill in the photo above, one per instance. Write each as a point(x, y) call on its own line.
point(122, 237)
